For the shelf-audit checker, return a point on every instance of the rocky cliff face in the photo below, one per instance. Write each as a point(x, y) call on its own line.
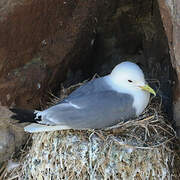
point(170, 14)
point(39, 40)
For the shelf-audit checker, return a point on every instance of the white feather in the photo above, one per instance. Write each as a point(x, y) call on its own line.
point(32, 128)
point(74, 105)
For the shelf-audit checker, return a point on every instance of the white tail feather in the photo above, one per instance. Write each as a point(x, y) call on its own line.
point(34, 127)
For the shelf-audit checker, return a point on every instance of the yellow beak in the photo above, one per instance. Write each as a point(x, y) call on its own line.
point(148, 88)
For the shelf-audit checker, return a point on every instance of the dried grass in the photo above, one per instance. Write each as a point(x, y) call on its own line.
point(142, 148)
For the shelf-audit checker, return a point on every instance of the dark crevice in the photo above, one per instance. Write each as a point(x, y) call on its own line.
point(133, 31)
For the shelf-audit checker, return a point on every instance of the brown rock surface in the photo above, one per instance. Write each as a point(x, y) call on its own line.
point(11, 136)
point(38, 41)
point(170, 13)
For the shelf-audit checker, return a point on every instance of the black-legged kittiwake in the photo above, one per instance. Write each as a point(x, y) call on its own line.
point(100, 103)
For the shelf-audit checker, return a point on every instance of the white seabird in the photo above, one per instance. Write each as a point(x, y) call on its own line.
point(100, 103)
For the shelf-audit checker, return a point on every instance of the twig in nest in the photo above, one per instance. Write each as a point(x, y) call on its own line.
point(3, 170)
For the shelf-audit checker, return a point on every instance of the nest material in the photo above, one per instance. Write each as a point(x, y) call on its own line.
point(143, 148)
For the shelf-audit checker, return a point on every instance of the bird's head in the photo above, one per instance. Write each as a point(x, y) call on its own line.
point(130, 76)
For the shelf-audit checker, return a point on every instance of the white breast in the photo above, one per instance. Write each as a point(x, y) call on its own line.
point(141, 100)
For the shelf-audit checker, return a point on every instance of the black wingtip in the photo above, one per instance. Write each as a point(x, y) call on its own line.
point(22, 115)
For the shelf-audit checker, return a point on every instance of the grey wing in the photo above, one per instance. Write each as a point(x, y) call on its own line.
point(95, 110)
point(93, 86)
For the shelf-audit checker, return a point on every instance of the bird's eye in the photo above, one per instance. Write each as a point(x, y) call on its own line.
point(130, 81)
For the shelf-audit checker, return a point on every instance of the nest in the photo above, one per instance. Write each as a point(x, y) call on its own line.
point(142, 148)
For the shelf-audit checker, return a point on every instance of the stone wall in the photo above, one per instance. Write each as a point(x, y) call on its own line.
point(170, 14)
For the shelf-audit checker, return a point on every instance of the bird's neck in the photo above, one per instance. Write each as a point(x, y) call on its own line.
point(141, 97)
